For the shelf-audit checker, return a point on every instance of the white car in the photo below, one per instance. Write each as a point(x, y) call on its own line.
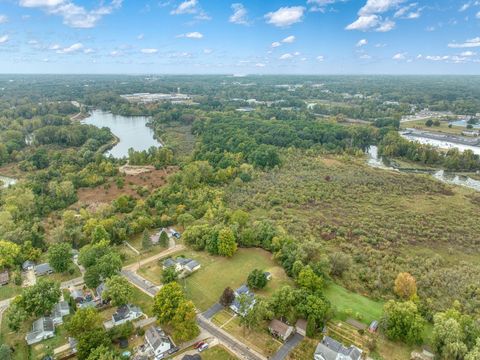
point(203, 347)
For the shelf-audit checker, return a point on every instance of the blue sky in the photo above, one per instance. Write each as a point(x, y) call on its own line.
point(240, 37)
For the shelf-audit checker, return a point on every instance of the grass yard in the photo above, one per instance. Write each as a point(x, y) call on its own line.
point(9, 290)
point(261, 340)
point(218, 353)
point(304, 350)
point(350, 304)
point(143, 301)
point(206, 285)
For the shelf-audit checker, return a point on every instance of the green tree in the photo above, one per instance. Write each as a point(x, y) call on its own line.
point(257, 314)
point(307, 279)
point(316, 310)
point(167, 301)
point(15, 315)
point(283, 302)
point(474, 353)
point(118, 290)
point(60, 257)
point(164, 240)
point(169, 275)
point(83, 321)
point(227, 246)
point(100, 234)
point(5, 352)
point(146, 242)
point(40, 298)
point(103, 352)
point(257, 279)
point(185, 327)
point(402, 321)
point(91, 340)
point(405, 286)
point(9, 252)
point(227, 298)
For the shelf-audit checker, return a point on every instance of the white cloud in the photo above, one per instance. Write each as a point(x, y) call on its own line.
point(191, 35)
point(320, 58)
point(468, 53)
point(239, 15)
point(3, 39)
point(285, 16)
point(478, 15)
point(73, 15)
point(115, 53)
point(289, 39)
point(88, 51)
point(400, 56)
point(378, 6)
point(365, 57)
point(386, 26)
point(364, 23)
point(320, 5)
point(70, 49)
point(3, 19)
point(369, 17)
point(470, 43)
point(362, 42)
point(54, 47)
point(276, 44)
point(207, 51)
point(149, 51)
point(286, 56)
point(260, 65)
point(191, 7)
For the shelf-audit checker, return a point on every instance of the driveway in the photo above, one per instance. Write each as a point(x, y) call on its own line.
point(210, 313)
point(288, 346)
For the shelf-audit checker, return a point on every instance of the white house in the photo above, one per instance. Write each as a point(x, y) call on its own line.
point(158, 342)
point(242, 290)
point(42, 329)
point(125, 313)
point(182, 265)
point(330, 349)
point(60, 310)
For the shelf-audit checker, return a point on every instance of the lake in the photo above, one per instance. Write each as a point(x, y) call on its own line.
point(131, 130)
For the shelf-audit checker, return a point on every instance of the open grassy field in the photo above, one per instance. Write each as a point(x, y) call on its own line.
point(380, 218)
point(420, 125)
point(218, 353)
point(349, 304)
point(9, 290)
point(206, 285)
point(259, 340)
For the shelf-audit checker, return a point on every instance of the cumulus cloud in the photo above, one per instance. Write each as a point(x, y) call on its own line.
point(320, 58)
point(468, 53)
point(470, 43)
point(285, 16)
point(276, 44)
point(239, 15)
point(70, 49)
point(289, 39)
point(3, 19)
point(362, 42)
point(149, 51)
point(260, 65)
point(320, 5)
point(191, 7)
point(3, 39)
point(286, 56)
point(191, 35)
point(73, 15)
point(400, 56)
point(370, 18)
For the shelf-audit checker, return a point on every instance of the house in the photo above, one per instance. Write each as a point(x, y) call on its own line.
point(373, 326)
point(42, 329)
point(158, 342)
point(280, 330)
point(126, 313)
point(60, 310)
point(4, 278)
point(242, 290)
point(182, 265)
point(83, 299)
point(330, 349)
point(77, 295)
point(268, 275)
point(301, 326)
point(43, 269)
point(28, 265)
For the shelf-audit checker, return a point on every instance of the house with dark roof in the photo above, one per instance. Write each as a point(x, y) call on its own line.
point(331, 349)
point(242, 290)
point(83, 299)
point(158, 342)
point(43, 269)
point(280, 330)
point(60, 310)
point(123, 314)
point(4, 278)
point(183, 266)
point(42, 329)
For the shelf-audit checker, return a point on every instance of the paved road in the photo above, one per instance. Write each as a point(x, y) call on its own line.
point(240, 349)
point(141, 283)
point(288, 346)
point(210, 313)
point(137, 265)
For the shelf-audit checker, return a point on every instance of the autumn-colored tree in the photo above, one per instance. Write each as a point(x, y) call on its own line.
point(405, 286)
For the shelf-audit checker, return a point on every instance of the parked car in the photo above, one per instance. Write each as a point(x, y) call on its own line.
point(198, 344)
point(203, 347)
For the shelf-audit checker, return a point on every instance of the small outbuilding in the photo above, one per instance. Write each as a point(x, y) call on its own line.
point(43, 269)
point(4, 277)
point(280, 330)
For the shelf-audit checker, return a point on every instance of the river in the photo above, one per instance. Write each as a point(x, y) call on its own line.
point(449, 178)
point(131, 131)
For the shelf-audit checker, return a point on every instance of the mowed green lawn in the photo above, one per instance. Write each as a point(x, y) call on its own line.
point(206, 285)
point(218, 353)
point(345, 302)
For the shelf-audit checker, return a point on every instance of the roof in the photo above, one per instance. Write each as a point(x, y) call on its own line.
point(156, 337)
point(61, 306)
point(43, 268)
point(279, 327)
point(77, 293)
point(192, 264)
point(301, 324)
point(27, 264)
point(329, 348)
point(169, 262)
point(243, 290)
point(43, 324)
point(124, 311)
point(4, 277)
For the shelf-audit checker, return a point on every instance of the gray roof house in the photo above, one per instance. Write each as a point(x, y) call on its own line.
point(60, 310)
point(242, 290)
point(28, 265)
point(330, 349)
point(42, 329)
point(123, 314)
point(43, 269)
point(182, 265)
point(158, 342)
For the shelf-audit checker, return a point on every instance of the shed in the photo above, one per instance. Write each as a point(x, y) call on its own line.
point(301, 326)
point(280, 330)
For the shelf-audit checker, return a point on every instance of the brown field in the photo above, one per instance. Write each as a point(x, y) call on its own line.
point(107, 192)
